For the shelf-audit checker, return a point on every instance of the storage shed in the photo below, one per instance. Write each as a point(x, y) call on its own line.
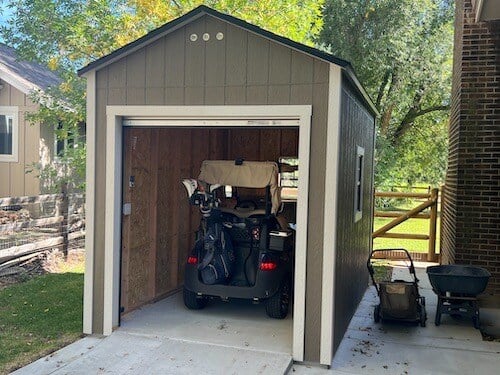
point(211, 86)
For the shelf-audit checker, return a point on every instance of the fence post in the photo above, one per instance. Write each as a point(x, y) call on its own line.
point(431, 255)
point(63, 210)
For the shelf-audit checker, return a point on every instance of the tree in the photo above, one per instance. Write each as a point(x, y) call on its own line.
point(299, 20)
point(401, 50)
point(63, 35)
point(68, 34)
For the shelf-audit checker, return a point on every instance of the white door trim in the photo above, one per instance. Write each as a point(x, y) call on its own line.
point(226, 116)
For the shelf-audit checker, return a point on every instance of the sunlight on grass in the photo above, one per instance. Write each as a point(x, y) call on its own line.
point(39, 316)
point(414, 226)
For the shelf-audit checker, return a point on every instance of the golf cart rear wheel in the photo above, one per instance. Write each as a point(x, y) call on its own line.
point(277, 306)
point(192, 301)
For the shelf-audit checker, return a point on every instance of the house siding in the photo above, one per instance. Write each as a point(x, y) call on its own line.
point(240, 69)
point(15, 180)
point(471, 209)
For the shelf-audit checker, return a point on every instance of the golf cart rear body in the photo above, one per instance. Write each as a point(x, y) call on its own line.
point(261, 246)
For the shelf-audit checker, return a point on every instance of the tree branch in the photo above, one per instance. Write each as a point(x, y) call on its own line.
point(381, 90)
point(412, 115)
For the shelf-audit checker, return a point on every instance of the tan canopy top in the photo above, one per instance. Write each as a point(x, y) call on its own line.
point(250, 174)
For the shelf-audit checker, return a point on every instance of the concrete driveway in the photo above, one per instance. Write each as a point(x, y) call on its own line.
point(160, 339)
point(454, 347)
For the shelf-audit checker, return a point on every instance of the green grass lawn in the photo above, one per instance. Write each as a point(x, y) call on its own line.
point(39, 316)
point(414, 226)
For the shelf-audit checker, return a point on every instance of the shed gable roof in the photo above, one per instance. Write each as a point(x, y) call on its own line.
point(204, 10)
point(24, 75)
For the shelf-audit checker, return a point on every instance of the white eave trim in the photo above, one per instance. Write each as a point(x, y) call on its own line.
point(23, 85)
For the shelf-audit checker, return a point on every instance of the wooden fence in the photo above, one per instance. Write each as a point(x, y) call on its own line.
point(430, 203)
point(23, 237)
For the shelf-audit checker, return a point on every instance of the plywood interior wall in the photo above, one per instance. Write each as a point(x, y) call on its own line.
point(158, 234)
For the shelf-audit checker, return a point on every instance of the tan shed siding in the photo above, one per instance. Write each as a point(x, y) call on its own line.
point(14, 179)
point(241, 69)
point(353, 238)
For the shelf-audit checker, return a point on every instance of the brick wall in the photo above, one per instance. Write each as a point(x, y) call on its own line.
point(471, 212)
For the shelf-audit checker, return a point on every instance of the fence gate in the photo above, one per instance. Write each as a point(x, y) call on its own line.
point(431, 202)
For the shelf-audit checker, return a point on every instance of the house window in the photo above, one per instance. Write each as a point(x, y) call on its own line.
point(289, 177)
point(8, 134)
point(358, 187)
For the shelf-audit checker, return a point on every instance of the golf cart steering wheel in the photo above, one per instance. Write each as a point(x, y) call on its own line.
point(246, 205)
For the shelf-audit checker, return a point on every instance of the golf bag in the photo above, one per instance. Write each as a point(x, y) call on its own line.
point(217, 255)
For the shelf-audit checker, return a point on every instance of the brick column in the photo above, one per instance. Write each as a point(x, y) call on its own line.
point(471, 216)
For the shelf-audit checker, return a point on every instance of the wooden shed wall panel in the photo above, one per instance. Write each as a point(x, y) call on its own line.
point(117, 75)
point(256, 95)
point(175, 45)
point(258, 60)
point(174, 96)
point(321, 72)
point(136, 69)
point(353, 238)
point(302, 68)
point(125, 235)
point(280, 60)
point(155, 73)
point(278, 94)
point(140, 242)
point(235, 95)
point(155, 65)
point(270, 144)
point(215, 54)
point(195, 55)
point(236, 56)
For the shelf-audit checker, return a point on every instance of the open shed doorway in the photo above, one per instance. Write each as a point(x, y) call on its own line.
point(159, 225)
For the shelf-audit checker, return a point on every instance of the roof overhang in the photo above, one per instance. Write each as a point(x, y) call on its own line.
point(486, 10)
point(204, 10)
point(23, 85)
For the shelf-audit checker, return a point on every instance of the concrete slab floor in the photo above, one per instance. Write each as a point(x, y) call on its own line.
point(166, 338)
point(454, 347)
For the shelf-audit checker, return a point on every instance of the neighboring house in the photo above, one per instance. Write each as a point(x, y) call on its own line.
point(211, 86)
point(22, 144)
point(471, 209)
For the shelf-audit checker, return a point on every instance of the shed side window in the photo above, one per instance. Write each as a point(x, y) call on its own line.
point(8, 134)
point(358, 187)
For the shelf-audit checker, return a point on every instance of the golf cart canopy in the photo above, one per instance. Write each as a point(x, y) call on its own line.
point(249, 174)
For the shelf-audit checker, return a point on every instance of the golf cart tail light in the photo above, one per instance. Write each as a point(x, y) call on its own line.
point(256, 233)
point(192, 260)
point(268, 265)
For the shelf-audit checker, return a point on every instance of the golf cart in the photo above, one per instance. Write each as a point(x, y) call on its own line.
point(243, 248)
